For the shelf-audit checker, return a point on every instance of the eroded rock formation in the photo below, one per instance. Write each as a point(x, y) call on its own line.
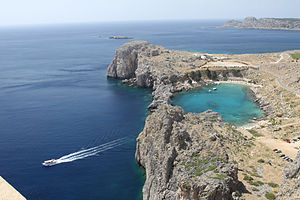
point(185, 155)
point(166, 71)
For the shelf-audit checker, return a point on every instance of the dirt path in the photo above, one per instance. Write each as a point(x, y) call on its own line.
point(281, 57)
point(287, 148)
point(279, 79)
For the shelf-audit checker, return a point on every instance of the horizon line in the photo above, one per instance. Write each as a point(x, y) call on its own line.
point(110, 21)
point(128, 21)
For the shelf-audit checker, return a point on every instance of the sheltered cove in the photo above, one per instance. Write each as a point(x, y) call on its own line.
point(199, 156)
point(233, 101)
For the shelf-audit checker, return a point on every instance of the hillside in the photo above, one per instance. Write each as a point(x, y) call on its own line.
point(266, 23)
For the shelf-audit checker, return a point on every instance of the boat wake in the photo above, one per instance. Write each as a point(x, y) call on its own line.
point(86, 152)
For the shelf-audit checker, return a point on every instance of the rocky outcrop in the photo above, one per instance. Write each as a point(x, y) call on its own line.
point(135, 61)
point(185, 155)
point(162, 94)
point(125, 62)
point(215, 74)
point(166, 71)
point(262, 102)
point(266, 23)
point(290, 188)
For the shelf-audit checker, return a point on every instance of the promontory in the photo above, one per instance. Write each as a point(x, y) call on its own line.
point(192, 156)
point(266, 23)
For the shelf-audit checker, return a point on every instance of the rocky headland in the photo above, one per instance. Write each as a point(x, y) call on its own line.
point(266, 23)
point(199, 156)
point(167, 71)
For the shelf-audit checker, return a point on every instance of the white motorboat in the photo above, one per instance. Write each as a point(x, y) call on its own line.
point(49, 163)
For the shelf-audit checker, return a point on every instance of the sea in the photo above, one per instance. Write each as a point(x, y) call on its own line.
point(56, 101)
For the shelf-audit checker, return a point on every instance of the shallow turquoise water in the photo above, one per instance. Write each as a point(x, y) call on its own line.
point(233, 102)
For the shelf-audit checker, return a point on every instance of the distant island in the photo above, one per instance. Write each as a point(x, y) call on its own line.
point(120, 37)
point(266, 23)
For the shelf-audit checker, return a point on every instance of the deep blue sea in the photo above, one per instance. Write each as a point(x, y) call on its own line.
point(55, 99)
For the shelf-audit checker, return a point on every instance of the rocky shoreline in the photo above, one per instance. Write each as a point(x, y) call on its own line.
point(141, 64)
point(187, 156)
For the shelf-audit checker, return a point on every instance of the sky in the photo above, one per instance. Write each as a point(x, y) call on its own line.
point(20, 12)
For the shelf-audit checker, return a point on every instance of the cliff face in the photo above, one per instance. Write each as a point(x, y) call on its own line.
point(135, 61)
point(266, 23)
point(290, 188)
point(185, 155)
point(125, 63)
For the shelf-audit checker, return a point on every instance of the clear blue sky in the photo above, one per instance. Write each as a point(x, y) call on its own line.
point(13, 12)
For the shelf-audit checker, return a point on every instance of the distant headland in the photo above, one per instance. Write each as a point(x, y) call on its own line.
point(266, 23)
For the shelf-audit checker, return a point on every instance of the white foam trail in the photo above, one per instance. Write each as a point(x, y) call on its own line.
point(93, 148)
point(91, 151)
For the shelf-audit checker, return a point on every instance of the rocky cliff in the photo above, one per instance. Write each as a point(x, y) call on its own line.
point(187, 156)
point(166, 71)
point(193, 156)
point(266, 23)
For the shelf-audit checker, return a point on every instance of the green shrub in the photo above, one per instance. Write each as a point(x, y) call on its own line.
point(270, 196)
point(198, 171)
point(261, 161)
point(219, 176)
point(248, 178)
point(256, 175)
point(211, 168)
point(273, 185)
point(255, 133)
point(296, 56)
point(257, 183)
point(222, 160)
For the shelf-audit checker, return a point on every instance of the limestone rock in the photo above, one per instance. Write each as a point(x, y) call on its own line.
point(149, 66)
point(124, 64)
point(184, 156)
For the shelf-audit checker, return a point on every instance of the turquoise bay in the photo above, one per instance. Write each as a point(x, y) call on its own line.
point(232, 101)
